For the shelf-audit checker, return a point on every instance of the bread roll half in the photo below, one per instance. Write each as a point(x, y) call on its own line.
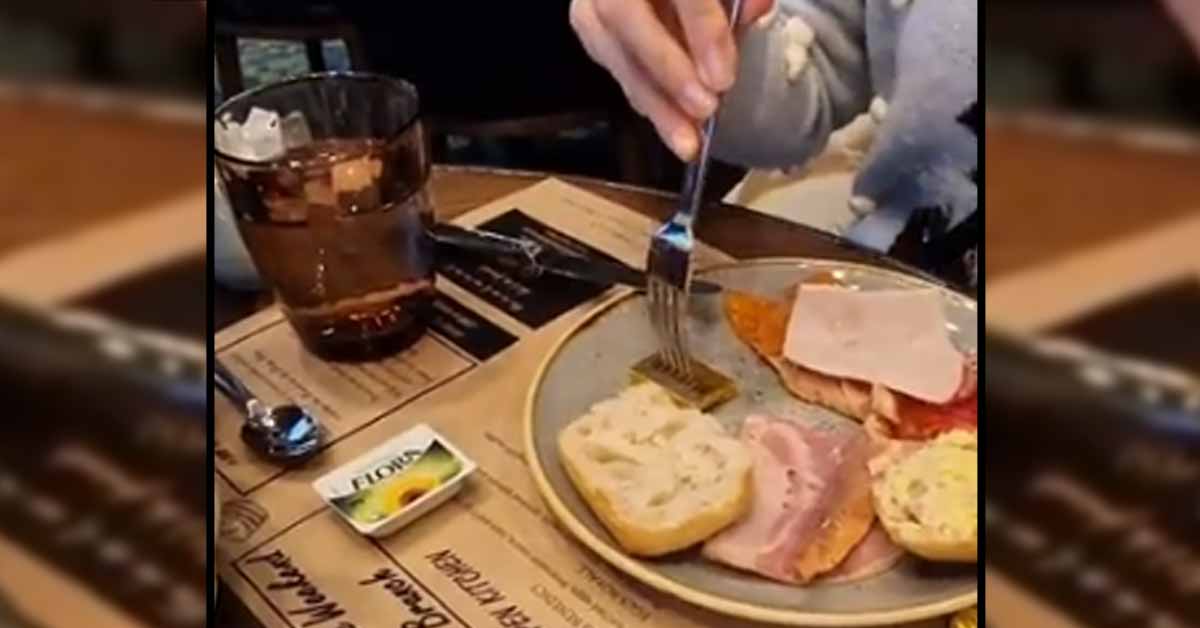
point(928, 501)
point(659, 477)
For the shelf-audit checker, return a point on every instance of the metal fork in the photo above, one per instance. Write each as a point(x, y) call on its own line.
point(669, 262)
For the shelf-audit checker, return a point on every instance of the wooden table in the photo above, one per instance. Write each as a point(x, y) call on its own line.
point(1056, 185)
point(64, 168)
point(67, 168)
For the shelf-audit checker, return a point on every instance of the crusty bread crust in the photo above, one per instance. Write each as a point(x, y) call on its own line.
point(640, 528)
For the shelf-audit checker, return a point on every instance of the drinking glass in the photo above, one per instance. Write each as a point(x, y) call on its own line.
point(327, 176)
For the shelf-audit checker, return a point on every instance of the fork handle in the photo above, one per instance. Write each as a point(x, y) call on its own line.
point(696, 172)
point(694, 176)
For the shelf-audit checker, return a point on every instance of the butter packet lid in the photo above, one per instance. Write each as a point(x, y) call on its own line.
point(388, 487)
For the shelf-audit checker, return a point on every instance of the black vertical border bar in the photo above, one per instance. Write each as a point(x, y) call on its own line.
point(981, 301)
point(210, 468)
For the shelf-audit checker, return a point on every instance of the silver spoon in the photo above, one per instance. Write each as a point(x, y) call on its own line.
point(283, 433)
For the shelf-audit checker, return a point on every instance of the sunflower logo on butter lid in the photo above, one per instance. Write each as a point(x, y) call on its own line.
point(966, 619)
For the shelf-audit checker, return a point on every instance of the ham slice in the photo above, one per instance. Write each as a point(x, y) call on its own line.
point(811, 501)
point(900, 416)
point(896, 338)
point(871, 557)
point(762, 324)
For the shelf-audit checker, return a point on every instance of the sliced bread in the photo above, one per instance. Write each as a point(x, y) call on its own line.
point(928, 500)
point(660, 478)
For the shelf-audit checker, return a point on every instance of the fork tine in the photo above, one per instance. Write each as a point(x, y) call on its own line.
point(680, 334)
point(673, 329)
point(663, 300)
point(657, 318)
point(652, 310)
point(664, 309)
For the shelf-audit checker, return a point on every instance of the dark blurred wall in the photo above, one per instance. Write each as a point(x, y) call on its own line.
point(146, 45)
point(1123, 58)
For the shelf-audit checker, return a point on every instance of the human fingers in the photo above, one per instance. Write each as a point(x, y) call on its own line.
point(644, 38)
point(676, 128)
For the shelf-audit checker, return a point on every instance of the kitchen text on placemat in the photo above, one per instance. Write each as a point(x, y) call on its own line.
point(472, 582)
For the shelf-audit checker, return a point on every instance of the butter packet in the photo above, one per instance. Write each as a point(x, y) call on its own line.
point(388, 487)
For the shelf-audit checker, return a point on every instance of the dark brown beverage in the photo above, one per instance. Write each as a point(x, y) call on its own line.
point(341, 230)
point(326, 175)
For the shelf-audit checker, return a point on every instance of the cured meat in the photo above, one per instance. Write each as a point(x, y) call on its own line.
point(875, 554)
point(812, 502)
point(896, 338)
point(922, 421)
point(849, 521)
point(762, 324)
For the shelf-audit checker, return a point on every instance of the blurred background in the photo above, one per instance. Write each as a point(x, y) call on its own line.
point(103, 313)
point(1093, 293)
point(1116, 58)
point(1092, 111)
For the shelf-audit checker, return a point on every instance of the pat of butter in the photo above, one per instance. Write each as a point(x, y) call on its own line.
point(388, 487)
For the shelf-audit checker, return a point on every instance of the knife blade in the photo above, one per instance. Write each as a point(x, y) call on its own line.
point(537, 259)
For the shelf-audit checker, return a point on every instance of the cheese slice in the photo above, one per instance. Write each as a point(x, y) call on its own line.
point(895, 338)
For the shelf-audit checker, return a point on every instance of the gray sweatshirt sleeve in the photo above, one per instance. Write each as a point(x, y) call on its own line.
point(803, 73)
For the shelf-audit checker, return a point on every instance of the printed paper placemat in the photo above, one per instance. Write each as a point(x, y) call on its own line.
point(491, 557)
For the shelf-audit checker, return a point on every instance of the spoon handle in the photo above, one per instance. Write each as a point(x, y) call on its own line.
point(229, 384)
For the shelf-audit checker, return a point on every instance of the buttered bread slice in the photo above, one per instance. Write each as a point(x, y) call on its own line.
point(660, 478)
point(928, 501)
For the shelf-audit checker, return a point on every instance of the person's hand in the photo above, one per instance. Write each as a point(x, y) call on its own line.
point(671, 57)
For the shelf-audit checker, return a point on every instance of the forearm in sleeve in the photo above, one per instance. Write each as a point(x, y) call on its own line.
point(803, 73)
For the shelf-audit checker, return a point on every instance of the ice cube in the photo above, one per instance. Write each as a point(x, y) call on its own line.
point(227, 136)
point(295, 130)
point(354, 175)
point(262, 134)
point(259, 138)
point(318, 192)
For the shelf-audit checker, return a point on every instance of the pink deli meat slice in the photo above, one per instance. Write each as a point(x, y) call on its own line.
point(894, 338)
point(875, 554)
point(797, 470)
